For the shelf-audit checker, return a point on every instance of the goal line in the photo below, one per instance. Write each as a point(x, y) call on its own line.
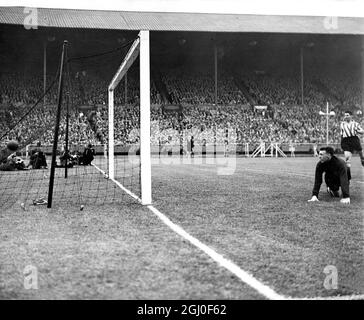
point(244, 276)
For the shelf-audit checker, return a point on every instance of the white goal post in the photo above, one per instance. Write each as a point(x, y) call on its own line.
point(139, 47)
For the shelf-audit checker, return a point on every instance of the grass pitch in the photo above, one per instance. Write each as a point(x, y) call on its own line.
point(257, 216)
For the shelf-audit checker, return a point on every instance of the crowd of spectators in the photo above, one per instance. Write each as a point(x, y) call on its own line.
point(234, 117)
point(199, 88)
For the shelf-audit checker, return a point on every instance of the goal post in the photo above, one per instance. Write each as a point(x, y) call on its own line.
point(145, 161)
point(139, 47)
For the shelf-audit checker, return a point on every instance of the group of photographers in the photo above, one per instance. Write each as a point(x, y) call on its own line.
point(10, 160)
point(77, 158)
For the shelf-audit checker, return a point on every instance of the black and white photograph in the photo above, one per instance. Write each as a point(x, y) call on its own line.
point(181, 151)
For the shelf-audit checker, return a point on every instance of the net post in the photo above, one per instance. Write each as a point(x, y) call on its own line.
point(145, 160)
point(66, 151)
point(56, 130)
point(111, 171)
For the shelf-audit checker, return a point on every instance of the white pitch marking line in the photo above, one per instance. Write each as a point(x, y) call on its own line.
point(119, 184)
point(233, 268)
point(241, 274)
point(275, 172)
point(227, 264)
point(292, 174)
point(283, 172)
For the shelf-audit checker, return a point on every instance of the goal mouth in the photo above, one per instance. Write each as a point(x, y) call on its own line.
point(87, 153)
point(141, 130)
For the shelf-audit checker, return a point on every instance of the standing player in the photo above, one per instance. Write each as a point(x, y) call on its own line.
point(292, 149)
point(315, 152)
point(190, 146)
point(349, 139)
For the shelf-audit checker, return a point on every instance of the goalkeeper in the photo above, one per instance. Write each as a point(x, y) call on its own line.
point(336, 176)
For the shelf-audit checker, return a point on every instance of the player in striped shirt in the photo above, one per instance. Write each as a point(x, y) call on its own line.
point(350, 141)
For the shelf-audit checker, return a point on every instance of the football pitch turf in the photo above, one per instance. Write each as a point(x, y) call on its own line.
point(256, 215)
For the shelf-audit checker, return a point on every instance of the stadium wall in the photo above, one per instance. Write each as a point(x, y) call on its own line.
point(303, 149)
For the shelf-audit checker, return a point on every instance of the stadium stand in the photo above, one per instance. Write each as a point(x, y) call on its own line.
point(286, 121)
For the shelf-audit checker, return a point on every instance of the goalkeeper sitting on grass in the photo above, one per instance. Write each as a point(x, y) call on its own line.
point(336, 176)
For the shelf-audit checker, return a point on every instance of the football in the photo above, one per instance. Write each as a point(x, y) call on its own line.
point(13, 145)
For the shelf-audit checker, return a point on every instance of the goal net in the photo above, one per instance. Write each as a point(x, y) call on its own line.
point(99, 149)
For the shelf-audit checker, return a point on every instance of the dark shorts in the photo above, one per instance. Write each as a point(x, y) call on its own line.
point(351, 144)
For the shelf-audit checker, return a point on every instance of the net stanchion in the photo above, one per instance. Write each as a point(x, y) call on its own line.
point(55, 142)
point(71, 153)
